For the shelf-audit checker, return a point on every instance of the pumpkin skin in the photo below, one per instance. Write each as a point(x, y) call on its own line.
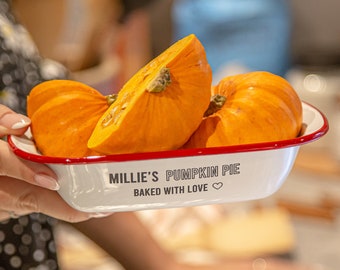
point(45, 91)
point(259, 107)
point(63, 115)
point(160, 106)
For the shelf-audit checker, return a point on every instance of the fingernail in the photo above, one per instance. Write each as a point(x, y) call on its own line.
point(15, 121)
point(100, 215)
point(21, 124)
point(46, 181)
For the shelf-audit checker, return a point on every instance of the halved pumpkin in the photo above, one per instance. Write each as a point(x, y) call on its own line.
point(47, 90)
point(249, 108)
point(160, 106)
point(64, 114)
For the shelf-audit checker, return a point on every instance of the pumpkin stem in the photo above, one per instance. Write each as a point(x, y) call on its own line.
point(161, 81)
point(111, 98)
point(216, 103)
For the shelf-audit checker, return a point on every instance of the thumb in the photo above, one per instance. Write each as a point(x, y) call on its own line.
point(11, 122)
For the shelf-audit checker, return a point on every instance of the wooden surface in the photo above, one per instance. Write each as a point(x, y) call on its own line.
point(319, 162)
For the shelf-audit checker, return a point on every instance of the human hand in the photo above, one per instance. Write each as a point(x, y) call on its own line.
point(27, 187)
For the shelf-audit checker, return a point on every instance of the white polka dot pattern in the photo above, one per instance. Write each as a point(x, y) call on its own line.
point(19, 251)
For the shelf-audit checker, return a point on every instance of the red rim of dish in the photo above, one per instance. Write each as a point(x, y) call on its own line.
point(178, 153)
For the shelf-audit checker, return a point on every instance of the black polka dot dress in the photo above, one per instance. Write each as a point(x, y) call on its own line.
point(27, 242)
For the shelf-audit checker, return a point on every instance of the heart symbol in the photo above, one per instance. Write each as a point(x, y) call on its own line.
point(217, 185)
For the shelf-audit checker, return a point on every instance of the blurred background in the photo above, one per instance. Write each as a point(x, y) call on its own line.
point(104, 42)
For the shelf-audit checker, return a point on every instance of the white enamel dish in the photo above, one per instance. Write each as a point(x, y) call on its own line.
point(177, 178)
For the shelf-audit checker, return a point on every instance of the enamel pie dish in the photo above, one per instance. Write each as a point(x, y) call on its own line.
point(178, 178)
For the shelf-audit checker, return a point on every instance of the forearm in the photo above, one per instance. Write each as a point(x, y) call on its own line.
point(124, 237)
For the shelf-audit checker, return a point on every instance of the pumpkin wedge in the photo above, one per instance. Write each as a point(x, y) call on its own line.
point(249, 108)
point(64, 114)
point(160, 106)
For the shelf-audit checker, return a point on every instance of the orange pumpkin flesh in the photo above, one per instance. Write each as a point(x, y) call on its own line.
point(64, 118)
point(259, 107)
point(160, 106)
